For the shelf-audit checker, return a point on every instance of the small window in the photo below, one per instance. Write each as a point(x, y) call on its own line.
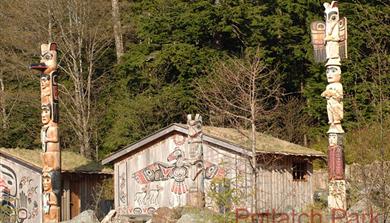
point(299, 170)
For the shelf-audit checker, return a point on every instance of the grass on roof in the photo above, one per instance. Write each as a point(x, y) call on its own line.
point(70, 161)
point(264, 143)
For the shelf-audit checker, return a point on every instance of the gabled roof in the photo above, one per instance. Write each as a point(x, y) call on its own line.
point(70, 161)
point(227, 138)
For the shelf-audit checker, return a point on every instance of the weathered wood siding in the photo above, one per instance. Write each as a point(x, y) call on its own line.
point(132, 197)
point(80, 192)
point(276, 187)
point(277, 190)
point(24, 185)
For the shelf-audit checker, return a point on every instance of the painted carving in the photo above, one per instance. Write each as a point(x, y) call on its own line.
point(195, 136)
point(177, 170)
point(335, 139)
point(329, 38)
point(45, 89)
point(195, 127)
point(147, 200)
point(335, 163)
point(49, 133)
point(122, 185)
point(334, 96)
point(50, 199)
point(18, 196)
point(196, 197)
point(337, 194)
point(122, 188)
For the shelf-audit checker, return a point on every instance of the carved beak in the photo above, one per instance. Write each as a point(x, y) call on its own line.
point(38, 66)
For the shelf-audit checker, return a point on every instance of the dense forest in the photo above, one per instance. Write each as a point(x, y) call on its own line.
point(129, 68)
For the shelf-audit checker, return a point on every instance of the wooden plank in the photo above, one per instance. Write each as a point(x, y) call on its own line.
point(74, 199)
point(65, 207)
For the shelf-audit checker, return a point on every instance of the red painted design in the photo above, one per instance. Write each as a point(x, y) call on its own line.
point(335, 163)
point(178, 170)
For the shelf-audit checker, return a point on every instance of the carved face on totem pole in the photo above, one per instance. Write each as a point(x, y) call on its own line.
point(45, 82)
point(46, 114)
point(331, 16)
point(194, 125)
point(46, 182)
point(333, 74)
point(48, 61)
point(49, 57)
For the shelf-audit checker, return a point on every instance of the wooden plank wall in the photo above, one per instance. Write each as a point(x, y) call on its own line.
point(79, 193)
point(276, 188)
point(24, 185)
point(279, 191)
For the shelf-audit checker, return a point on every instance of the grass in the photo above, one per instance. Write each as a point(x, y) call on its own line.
point(70, 161)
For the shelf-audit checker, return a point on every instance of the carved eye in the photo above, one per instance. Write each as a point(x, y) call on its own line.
point(47, 56)
point(333, 17)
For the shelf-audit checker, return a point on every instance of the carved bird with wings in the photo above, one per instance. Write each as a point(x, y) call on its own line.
point(329, 38)
point(178, 170)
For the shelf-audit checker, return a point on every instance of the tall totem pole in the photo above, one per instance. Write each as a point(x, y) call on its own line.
point(329, 39)
point(51, 154)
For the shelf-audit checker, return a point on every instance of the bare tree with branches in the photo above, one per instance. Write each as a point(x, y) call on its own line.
point(83, 33)
point(243, 93)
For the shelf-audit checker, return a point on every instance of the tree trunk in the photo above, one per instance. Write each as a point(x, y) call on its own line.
point(254, 167)
point(2, 104)
point(253, 106)
point(117, 29)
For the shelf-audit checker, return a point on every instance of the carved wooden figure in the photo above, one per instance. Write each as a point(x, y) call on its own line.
point(197, 173)
point(334, 96)
point(51, 154)
point(329, 38)
point(50, 200)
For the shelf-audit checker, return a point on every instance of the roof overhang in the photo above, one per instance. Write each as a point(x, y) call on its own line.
point(226, 145)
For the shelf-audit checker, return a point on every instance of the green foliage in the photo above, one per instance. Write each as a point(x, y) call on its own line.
point(172, 44)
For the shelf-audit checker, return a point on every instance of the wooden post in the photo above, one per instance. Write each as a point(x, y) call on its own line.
point(51, 153)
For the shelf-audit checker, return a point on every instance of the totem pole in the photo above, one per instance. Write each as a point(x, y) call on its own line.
point(329, 39)
point(51, 154)
point(197, 170)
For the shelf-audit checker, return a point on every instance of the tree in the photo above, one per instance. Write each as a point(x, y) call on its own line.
point(116, 19)
point(19, 97)
point(83, 32)
point(244, 92)
point(369, 142)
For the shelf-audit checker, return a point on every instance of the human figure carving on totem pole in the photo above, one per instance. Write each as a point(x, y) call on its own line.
point(49, 138)
point(50, 199)
point(334, 96)
point(45, 89)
